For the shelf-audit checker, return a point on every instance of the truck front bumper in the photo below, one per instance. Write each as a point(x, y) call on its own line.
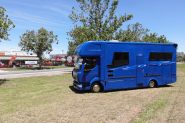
point(81, 86)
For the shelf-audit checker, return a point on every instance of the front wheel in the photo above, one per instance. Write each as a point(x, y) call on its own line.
point(152, 84)
point(96, 88)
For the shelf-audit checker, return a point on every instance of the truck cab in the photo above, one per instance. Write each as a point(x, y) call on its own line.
point(86, 71)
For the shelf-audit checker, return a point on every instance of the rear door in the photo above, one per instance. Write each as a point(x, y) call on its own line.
point(167, 71)
point(160, 66)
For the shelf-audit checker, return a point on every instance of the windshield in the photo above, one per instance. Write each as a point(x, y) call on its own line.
point(89, 62)
point(78, 62)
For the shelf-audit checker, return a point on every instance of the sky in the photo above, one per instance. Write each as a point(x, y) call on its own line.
point(165, 17)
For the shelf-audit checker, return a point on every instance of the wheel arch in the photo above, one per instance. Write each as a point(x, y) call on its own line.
point(96, 80)
point(155, 80)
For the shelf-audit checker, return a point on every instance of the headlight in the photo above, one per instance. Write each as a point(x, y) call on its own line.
point(74, 75)
point(76, 66)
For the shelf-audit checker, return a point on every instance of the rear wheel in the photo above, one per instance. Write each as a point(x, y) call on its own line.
point(152, 84)
point(96, 88)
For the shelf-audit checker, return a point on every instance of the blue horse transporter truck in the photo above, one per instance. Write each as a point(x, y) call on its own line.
point(103, 65)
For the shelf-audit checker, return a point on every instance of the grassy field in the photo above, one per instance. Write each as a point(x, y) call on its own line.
point(50, 99)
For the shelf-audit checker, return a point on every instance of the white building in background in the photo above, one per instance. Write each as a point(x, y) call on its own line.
point(17, 57)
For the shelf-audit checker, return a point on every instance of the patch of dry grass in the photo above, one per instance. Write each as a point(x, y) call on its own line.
point(170, 106)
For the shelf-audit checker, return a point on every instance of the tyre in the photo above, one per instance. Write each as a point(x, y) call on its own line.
point(95, 88)
point(152, 84)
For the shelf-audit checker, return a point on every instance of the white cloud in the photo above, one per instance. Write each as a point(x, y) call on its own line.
point(58, 11)
point(46, 14)
point(33, 18)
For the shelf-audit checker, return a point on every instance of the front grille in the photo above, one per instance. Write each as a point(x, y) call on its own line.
point(75, 82)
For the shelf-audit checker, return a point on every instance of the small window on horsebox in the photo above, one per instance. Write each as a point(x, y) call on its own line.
point(158, 56)
point(120, 59)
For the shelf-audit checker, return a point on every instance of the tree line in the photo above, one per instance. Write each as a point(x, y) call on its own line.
point(93, 20)
point(38, 42)
point(180, 57)
point(97, 20)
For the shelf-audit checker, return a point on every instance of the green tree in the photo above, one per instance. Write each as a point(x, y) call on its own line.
point(134, 32)
point(180, 57)
point(38, 42)
point(85, 35)
point(5, 24)
point(96, 20)
point(153, 37)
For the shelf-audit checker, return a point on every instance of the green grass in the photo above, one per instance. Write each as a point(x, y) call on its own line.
point(25, 92)
point(151, 110)
point(16, 94)
point(154, 107)
point(181, 66)
point(15, 69)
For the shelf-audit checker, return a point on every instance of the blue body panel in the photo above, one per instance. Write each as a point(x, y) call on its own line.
point(139, 71)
